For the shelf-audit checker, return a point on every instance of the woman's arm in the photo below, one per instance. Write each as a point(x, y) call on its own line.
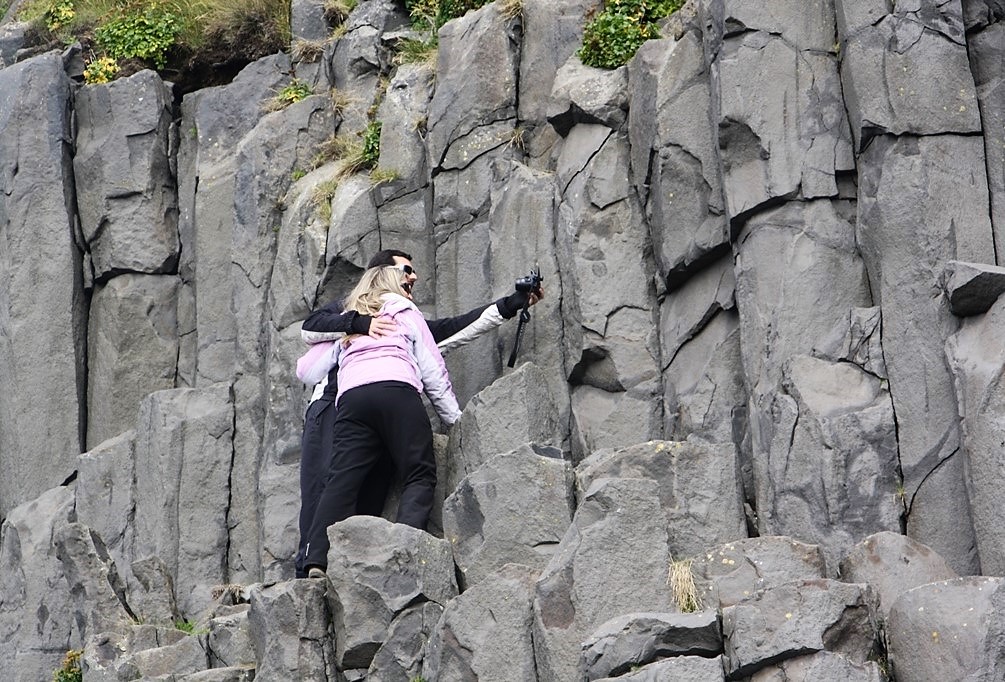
point(432, 370)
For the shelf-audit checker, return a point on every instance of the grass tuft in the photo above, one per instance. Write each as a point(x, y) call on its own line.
point(682, 588)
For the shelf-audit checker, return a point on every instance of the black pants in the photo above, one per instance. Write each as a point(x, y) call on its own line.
point(387, 416)
point(315, 461)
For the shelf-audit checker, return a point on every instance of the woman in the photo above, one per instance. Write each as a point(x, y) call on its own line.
point(379, 409)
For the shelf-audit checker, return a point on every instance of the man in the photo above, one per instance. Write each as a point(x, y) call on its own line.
point(330, 322)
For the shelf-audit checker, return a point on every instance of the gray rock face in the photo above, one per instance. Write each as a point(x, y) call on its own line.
point(485, 633)
point(589, 96)
point(823, 665)
point(12, 39)
point(183, 448)
point(681, 668)
point(517, 409)
point(290, 628)
point(782, 131)
point(704, 392)
point(735, 571)
point(476, 83)
point(229, 639)
point(515, 508)
point(674, 163)
point(618, 529)
point(132, 349)
point(906, 237)
point(400, 657)
point(948, 630)
point(637, 639)
point(37, 621)
point(698, 484)
point(975, 356)
point(39, 262)
point(904, 69)
point(850, 490)
point(892, 564)
point(126, 194)
point(986, 52)
point(358, 59)
point(377, 569)
point(613, 350)
point(799, 618)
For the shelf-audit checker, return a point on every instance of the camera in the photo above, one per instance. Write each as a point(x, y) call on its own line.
point(531, 283)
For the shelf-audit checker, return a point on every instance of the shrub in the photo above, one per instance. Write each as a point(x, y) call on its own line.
point(144, 33)
point(100, 70)
point(615, 35)
point(371, 144)
point(59, 14)
point(70, 670)
point(294, 91)
point(432, 14)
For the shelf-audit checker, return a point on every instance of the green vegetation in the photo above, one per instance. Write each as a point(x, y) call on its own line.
point(144, 33)
point(168, 35)
point(371, 145)
point(430, 15)
point(101, 70)
point(291, 93)
point(615, 35)
point(69, 670)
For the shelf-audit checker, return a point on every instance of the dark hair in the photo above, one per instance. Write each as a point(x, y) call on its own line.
point(386, 257)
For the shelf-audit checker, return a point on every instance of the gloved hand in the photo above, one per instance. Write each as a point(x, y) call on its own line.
point(512, 304)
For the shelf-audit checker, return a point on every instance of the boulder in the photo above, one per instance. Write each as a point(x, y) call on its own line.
point(682, 668)
point(587, 95)
point(891, 564)
point(618, 529)
point(377, 569)
point(291, 630)
point(515, 410)
point(485, 633)
point(229, 640)
point(822, 665)
point(635, 640)
point(949, 630)
point(729, 574)
point(400, 656)
point(515, 508)
point(973, 288)
point(798, 618)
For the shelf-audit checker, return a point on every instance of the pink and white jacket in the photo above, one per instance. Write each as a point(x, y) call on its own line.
point(408, 355)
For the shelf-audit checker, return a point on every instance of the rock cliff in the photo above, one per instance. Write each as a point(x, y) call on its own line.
point(767, 368)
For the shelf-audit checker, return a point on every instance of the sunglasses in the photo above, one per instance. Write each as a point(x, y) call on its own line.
point(407, 269)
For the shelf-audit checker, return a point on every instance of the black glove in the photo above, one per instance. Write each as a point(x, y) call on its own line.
point(361, 324)
point(512, 304)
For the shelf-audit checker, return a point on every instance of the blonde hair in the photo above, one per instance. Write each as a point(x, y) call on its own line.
point(367, 296)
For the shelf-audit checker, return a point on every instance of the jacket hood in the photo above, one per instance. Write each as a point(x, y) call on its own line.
point(395, 303)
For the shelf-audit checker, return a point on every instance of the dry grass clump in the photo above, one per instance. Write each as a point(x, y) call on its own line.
point(684, 592)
